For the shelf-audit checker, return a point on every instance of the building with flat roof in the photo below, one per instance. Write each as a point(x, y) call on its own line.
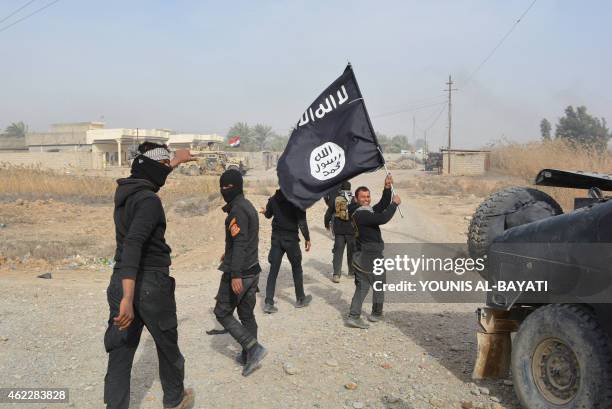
point(62, 137)
point(465, 162)
point(115, 147)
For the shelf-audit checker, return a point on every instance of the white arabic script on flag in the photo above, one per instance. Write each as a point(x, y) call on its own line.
point(326, 161)
point(314, 113)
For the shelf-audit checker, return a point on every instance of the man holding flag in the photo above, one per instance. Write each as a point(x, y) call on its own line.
point(367, 221)
point(334, 141)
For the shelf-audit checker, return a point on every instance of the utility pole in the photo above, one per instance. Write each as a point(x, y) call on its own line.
point(450, 92)
point(414, 129)
point(425, 139)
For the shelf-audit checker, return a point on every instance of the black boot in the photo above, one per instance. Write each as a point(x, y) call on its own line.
point(254, 356)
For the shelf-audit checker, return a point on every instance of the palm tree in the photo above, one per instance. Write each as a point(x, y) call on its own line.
point(261, 134)
point(16, 130)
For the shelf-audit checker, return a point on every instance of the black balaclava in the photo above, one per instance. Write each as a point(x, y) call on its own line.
point(151, 170)
point(346, 185)
point(234, 178)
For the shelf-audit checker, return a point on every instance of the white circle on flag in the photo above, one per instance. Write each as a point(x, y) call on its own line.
point(326, 161)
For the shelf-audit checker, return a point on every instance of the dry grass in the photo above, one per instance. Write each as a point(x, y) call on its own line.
point(36, 183)
point(440, 185)
point(524, 161)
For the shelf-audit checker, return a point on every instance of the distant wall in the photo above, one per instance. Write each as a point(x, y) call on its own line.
point(261, 160)
point(11, 143)
point(51, 160)
point(256, 160)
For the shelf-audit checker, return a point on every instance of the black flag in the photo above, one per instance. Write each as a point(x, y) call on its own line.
point(333, 141)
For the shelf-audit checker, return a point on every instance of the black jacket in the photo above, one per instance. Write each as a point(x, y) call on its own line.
point(368, 220)
point(241, 258)
point(140, 226)
point(287, 217)
point(339, 226)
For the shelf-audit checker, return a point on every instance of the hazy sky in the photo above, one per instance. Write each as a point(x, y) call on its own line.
point(200, 66)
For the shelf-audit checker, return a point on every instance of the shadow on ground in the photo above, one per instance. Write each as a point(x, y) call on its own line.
point(450, 338)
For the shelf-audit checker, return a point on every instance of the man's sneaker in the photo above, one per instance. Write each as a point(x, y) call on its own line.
point(303, 302)
point(241, 358)
point(187, 401)
point(357, 323)
point(335, 278)
point(375, 317)
point(269, 308)
point(254, 357)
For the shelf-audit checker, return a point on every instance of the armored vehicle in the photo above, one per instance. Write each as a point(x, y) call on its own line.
point(561, 354)
point(213, 163)
point(433, 161)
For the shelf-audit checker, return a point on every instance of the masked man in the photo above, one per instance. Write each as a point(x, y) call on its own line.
point(240, 267)
point(141, 290)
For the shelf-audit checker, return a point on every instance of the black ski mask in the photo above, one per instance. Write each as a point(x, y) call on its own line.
point(151, 170)
point(234, 178)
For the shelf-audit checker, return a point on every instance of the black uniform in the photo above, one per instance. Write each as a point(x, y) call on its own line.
point(344, 236)
point(142, 254)
point(240, 260)
point(285, 239)
point(370, 246)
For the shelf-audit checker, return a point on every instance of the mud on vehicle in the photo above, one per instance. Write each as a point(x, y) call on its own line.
point(560, 356)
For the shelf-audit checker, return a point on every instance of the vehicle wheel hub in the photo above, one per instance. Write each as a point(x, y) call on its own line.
point(556, 371)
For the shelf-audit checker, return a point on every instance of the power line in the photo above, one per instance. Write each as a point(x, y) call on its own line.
point(417, 108)
point(28, 15)
point(17, 11)
point(469, 78)
point(438, 116)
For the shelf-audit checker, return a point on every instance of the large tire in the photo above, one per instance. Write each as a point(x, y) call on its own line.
point(507, 208)
point(561, 359)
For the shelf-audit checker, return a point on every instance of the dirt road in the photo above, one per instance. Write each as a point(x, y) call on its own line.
point(420, 357)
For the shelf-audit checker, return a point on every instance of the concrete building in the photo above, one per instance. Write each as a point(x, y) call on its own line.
point(115, 147)
point(62, 137)
point(90, 145)
point(194, 141)
point(465, 162)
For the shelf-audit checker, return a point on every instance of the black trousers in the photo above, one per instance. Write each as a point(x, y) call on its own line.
point(245, 331)
point(155, 308)
point(363, 282)
point(340, 241)
point(280, 246)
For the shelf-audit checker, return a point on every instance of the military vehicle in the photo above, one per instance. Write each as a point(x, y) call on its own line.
point(561, 354)
point(213, 163)
point(433, 161)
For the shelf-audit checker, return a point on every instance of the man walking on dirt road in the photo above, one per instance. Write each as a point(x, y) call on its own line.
point(370, 245)
point(141, 290)
point(240, 266)
point(287, 219)
point(337, 219)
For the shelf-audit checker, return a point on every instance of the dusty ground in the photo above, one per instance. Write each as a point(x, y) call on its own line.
point(51, 330)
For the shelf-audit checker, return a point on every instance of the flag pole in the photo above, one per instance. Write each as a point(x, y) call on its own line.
point(374, 134)
point(388, 173)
